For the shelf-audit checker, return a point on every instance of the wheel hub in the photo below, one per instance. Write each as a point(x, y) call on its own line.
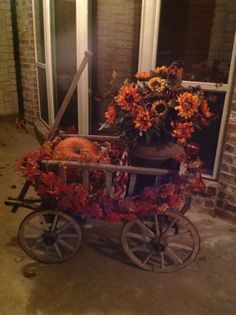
point(157, 245)
point(49, 238)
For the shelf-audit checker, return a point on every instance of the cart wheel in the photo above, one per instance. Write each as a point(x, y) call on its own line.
point(161, 242)
point(185, 204)
point(50, 236)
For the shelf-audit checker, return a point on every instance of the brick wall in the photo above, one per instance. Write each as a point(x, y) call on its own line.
point(8, 91)
point(115, 44)
point(27, 58)
point(226, 201)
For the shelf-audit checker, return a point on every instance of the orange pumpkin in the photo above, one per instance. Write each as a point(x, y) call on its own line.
point(76, 149)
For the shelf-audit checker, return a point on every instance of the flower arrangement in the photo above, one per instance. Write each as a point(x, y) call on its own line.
point(156, 105)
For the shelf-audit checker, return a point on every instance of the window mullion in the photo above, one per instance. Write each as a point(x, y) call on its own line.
point(48, 58)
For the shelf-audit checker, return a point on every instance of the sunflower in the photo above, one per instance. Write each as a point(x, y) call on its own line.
point(187, 105)
point(160, 108)
point(128, 97)
point(205, 109)
point(156, 84)
point(142, 119)
point(182, 131)
point(142, 76)
point(110, 114)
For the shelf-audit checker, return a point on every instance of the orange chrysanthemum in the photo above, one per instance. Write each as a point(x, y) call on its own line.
point(142, 119)
point(188, 105)
point(110, 115)
point(183, 131)
point(205, 109)
point(156, 84)
point(142, 76)
point(128, 97)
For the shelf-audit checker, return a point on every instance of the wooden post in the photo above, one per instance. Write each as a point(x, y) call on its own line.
point(68, 96)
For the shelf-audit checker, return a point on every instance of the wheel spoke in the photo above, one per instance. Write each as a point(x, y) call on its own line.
point(179, 245)
point(65, 244)
point(145, 229)
point(169, 227)
point(157, 225)
point(35, 227)
point(162, 260)
point(43, 222)
point(57, 250)
point(64, 227)
point(175, 258)
point(32, 236)
point(140, 248)
point(54, 223)
point(68, 235)
point(139, 236)
point(149, 256)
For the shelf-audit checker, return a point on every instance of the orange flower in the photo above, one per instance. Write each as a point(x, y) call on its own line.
point(156, 84)
point(161, 70)
point(128, 97)
point(188, 105)
point(159, 108)
point(205, 109)
point(110, 115)
point(142, 76)
point(142, 119)
point(182, 131)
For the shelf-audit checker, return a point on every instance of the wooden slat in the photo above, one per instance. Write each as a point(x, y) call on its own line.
point(108, 183)
point(132, 183)
point(86, 178)
point(110, 168)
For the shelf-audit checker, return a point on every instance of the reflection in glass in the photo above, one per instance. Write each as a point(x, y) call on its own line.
point(43, 94)
point(114, 40)
point(39, 28)
point(64, 56)
point(200, 33)
point(208, 136)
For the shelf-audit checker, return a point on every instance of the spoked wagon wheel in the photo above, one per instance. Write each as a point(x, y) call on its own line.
point(161, 242)
point(185, 204)
point(50, 236)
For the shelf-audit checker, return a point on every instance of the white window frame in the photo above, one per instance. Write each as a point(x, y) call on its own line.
point(150, 22)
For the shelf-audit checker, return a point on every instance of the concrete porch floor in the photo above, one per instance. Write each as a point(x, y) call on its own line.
point(99, 280)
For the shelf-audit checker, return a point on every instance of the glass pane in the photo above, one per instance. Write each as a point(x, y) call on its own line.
point(208, 136)
point(43, 94)
point(64, 56)
point(200, 33)
point(114, 41)
point(39, 28)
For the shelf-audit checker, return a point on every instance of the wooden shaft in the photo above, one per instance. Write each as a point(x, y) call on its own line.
point(68, 96)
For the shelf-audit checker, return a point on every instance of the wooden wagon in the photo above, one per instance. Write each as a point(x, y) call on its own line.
point(161, 242)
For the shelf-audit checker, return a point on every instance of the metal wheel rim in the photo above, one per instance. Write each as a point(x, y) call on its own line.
point(53, 241)
point(172, 251)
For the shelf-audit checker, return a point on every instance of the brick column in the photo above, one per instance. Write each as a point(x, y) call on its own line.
point(226, 202)
point(27, 59)
point(8, 92)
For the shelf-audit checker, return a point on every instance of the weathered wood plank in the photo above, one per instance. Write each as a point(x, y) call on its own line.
point(108, 183)
point(132, 183)
point(109, 167)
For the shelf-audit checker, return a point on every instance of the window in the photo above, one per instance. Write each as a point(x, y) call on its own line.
point(126, 36)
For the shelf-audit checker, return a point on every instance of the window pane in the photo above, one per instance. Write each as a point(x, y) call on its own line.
point(64, 55)
point(208, 136)
point(43, 94)
point(39, 28)
point(114, 41)
point(200, 33)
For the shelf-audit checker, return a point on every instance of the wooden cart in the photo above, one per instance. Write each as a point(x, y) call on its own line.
point(160, 242)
